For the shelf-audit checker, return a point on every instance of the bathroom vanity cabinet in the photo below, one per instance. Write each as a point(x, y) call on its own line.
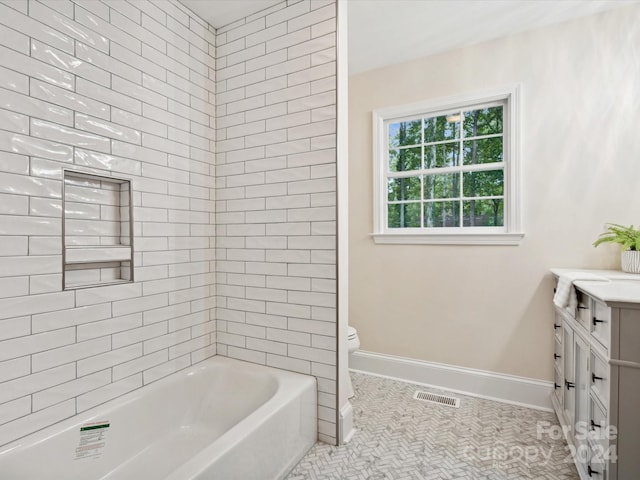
point(597, 376)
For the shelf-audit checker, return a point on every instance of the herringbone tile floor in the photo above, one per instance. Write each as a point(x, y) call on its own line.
point(399, 438)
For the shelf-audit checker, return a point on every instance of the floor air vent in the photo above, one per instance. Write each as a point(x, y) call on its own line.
point(435, 398)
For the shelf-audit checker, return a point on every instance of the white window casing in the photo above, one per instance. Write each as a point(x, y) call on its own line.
point(509, 234)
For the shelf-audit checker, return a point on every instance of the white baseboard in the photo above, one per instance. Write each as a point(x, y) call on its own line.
point(526, 392)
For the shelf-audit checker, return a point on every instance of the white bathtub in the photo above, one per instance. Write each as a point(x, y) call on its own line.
point(221, 419)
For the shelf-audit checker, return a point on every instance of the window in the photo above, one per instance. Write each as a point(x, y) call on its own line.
point(447, 171)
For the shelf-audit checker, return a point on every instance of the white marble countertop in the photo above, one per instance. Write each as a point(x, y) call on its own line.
point(621, 287)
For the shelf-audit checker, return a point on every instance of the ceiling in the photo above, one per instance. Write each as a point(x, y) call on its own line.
point(223, 12)
point(386, 32)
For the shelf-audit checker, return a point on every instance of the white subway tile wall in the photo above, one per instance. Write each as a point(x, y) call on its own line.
point(276, 193)
point(112, 88)
point(128, 89)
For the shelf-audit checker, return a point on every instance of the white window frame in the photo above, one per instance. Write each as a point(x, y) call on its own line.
point(511, 233)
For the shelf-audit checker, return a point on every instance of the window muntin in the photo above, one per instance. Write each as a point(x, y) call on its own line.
point(446, 170)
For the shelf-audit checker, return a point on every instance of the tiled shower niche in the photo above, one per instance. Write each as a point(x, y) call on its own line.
point(97, 235)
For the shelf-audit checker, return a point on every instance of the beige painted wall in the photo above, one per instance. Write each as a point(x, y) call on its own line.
point(489, 307)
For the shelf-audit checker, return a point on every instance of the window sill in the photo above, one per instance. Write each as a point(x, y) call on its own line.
point(448, 238)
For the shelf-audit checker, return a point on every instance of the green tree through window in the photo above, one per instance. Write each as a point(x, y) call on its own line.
point(447, 170)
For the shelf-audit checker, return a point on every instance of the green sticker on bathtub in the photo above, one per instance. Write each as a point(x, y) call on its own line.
point(94, 427)
point(92, 441)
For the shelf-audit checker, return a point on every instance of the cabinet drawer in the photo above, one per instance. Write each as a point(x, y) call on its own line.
point(600, 378)
point(601, 323)
point(558, 383)
point(599, 451)
point(597, 422)
point(583, 310)
point(597, 465)
point(557, 353)
point(557, 326)
point(598, 442)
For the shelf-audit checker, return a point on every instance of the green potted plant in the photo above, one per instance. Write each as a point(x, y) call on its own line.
point(629, 238)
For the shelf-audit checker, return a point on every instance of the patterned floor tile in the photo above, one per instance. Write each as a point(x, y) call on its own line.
point(400, 438)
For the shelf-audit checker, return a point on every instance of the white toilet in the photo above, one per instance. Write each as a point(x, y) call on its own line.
point(354, 344)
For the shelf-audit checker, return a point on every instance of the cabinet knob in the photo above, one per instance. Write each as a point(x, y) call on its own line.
point(556, 356)
point(556, 326)
point(595, 425)
point(591, 471)
point(569, 384)
point(555, 289)
point(594, 377)
point(556, 386)
point(595, 321)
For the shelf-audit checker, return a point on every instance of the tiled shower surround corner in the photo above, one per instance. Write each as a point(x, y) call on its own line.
point(276, 194)
point(243, 238)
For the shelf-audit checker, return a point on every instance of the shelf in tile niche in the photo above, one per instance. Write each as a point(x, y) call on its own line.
point(97, 243)
point(97, 254)
point(76, 286)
